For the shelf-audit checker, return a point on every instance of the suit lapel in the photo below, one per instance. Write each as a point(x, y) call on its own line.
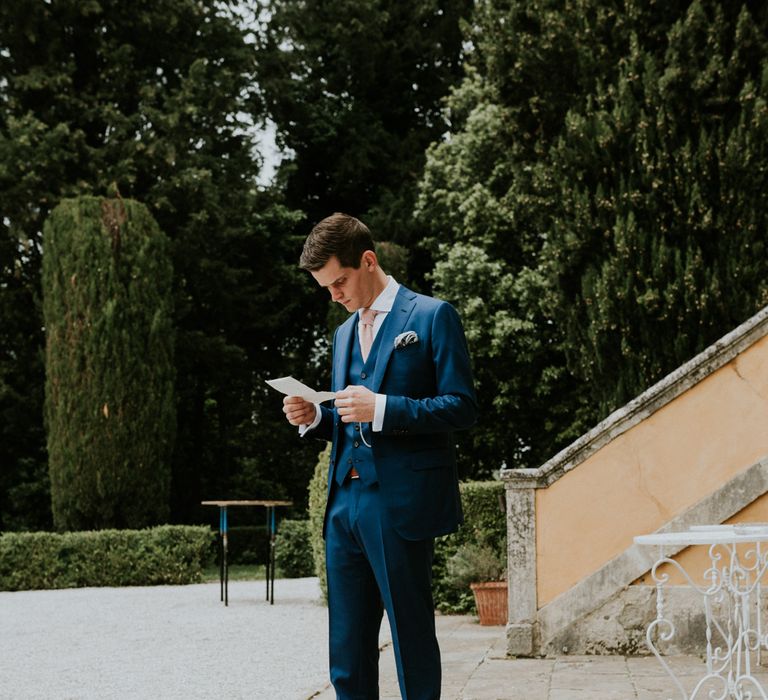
point(393, 325)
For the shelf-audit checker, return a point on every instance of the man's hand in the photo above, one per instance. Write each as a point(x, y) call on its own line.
point(298, 411)
point(356, 404)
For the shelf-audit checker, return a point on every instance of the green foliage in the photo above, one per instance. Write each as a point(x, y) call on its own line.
point(166, 555)
point(484, 526)
point(475, 562)
point(660, 246)
point(293, 549)
point(355, 89)
point(161, 100)
point(247, 544)
point(318, 495)
point(110, 404)
point(596, 211)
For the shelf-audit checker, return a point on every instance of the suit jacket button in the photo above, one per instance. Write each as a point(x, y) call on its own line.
point(357, 426)
point(363, 375)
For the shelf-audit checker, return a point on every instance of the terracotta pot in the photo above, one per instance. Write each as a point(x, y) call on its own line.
point(491, 602)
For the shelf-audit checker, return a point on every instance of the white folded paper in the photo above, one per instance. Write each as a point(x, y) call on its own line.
point(293, 387)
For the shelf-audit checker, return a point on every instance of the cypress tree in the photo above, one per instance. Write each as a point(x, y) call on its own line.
point(109, 400)
point(596, 212)
point(660, 246)
point(160, 98)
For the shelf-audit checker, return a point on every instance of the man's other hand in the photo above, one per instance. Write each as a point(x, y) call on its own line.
point(298, 411)
point(355, 404)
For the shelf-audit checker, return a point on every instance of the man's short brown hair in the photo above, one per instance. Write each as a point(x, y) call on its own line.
point(339, 234)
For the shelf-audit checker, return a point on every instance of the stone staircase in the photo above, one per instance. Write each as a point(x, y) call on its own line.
point(692, 449)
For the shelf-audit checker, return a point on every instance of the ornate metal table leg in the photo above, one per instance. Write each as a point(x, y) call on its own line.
point(661, 626)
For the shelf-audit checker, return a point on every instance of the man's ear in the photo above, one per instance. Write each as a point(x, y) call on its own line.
point(369, 261)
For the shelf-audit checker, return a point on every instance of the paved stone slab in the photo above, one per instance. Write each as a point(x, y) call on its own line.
point(174, 642)
point(464, 646)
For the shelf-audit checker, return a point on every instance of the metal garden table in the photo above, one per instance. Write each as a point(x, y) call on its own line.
point(731, 592)
point(223, 543)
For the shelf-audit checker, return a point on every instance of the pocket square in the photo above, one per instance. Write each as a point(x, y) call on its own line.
point(407, 338)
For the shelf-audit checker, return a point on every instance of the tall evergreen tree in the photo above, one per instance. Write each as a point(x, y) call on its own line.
point(355, 89)
point(159, 98)
point(110, 403)
point(542, 149)
point(24, 487)
point(487, 199)
point(660, 246)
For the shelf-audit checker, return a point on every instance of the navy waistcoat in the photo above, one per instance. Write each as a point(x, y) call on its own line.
point(351, 450)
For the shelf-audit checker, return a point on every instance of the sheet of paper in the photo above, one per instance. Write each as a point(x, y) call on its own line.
point(293, 387)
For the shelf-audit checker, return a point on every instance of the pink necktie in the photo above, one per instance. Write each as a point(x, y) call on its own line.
point(366, 331)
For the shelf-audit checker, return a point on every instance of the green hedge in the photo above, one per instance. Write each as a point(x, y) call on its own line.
point(293, 551)
point(318, 489)
point(247, 544)
point(484, 519)
point(169, 554)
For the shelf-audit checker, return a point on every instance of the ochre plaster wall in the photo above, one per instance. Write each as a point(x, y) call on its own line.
point(653, 472)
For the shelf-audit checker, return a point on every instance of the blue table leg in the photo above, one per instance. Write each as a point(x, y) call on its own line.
point(225, 563)
point(269, 553)
point(273, 531)
point(221, 554)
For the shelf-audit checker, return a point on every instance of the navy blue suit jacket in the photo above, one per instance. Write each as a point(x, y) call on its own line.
point(430, 394)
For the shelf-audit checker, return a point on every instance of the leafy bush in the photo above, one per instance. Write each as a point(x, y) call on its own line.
point(247, 544)
point(293, 551)
point(484, 523)
point(169, 554)
point(474, 562)
point(318, 490)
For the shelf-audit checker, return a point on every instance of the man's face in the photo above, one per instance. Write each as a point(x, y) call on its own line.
point(352, 288)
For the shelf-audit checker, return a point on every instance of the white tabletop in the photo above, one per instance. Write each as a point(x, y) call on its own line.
point(707, 534)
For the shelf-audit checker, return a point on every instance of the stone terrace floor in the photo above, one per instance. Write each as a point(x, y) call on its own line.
point(169, 642)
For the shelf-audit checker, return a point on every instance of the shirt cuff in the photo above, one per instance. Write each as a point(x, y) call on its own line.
point(306, 427)
point(378, 413)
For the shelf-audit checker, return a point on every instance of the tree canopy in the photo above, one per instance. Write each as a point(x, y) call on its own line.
point(587, 206)
point(355, 88)
point(158, 101)
point(582, 179)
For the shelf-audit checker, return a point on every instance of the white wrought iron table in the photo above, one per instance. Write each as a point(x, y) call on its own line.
point(731, 592)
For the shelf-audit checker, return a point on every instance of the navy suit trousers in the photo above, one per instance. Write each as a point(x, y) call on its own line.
point(371, 568)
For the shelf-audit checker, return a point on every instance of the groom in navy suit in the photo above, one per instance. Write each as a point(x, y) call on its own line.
point(402, 375)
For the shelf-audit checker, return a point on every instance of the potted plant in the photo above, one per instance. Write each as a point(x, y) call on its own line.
point(481, 567)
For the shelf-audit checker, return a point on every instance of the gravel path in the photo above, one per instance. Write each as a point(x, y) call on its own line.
point(164, 642)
